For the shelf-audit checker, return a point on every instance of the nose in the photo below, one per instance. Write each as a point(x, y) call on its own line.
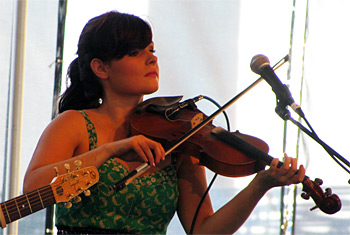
point(152, 58)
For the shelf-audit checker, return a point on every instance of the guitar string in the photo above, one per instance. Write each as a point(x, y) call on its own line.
point(16, 205)
point(11, 204)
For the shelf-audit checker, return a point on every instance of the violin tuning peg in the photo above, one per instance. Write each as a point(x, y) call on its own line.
point(305, 196)
point(87, 193)
point(328, 192)
point(313, 208)
point(319, 181)
point(68, 205)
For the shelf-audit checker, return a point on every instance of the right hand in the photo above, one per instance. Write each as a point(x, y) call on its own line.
point(139, 148)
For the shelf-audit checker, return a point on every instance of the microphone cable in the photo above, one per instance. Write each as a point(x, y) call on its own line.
point(215, 175)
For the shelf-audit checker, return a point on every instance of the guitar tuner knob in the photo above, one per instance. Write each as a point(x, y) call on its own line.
point(68, 205)
point(79, 190)
point(67, 166)
point(77, 163)
point(77, 199)
point(75, 176)
point(56, 170)
point(87, 193)
point(319, 181)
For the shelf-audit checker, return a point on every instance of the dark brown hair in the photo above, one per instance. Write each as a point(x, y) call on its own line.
point(107, 37)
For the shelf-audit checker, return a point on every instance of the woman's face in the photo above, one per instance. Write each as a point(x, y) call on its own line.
point(135, 74)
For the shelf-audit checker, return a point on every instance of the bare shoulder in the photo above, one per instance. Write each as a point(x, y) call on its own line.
point(70, 119)
point(68, 128)
point(70, 116)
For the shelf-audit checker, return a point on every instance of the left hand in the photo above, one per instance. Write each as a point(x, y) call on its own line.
point(287, 174)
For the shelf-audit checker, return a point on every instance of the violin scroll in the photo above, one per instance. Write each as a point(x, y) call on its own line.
point(326, 201)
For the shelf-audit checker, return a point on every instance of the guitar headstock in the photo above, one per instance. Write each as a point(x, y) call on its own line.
point(68, 186)
point(326, 201)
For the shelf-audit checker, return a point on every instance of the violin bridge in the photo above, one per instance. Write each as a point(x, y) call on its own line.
point(198, 118)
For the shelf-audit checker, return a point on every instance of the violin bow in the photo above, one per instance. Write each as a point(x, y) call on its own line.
point(145, 166)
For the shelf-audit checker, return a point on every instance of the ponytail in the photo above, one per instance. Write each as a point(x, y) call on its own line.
point(84, 90)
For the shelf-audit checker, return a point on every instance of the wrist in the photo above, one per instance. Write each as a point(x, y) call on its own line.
point(107, 150)
point(259, 185)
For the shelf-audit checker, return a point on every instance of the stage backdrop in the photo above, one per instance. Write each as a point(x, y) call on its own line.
point(205, 48)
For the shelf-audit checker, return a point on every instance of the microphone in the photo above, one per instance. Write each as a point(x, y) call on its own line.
point(260, 64)
point(171, 112)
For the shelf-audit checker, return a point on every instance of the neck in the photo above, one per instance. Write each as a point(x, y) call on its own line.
point(119, 108)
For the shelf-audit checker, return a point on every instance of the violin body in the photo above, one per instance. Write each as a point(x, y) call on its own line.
point(211, 152)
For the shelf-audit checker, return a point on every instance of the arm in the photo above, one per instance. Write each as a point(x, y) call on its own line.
point(232, 215)
point(65, 140)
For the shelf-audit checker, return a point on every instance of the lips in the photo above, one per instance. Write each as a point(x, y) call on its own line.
point(150, 74)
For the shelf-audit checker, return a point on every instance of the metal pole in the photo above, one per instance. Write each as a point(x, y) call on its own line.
point(62, 9)
point(17, 110)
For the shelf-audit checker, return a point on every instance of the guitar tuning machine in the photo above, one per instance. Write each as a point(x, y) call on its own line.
point(87, 192)
point(68, 205)
point(77, 199)
point(67, 167)
point(56, 170)
point(78, 164)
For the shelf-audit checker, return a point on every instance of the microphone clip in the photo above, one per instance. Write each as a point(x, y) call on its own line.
point(282, 110)
point(284, 99)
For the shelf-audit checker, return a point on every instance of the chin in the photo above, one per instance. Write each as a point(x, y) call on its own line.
point(152, 89)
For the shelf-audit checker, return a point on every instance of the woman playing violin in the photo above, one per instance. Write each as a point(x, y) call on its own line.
point(116, 66)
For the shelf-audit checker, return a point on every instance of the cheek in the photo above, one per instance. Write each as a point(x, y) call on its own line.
point(126, 72)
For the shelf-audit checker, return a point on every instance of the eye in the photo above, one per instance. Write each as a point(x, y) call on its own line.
point(152, 50)
point(134, 53)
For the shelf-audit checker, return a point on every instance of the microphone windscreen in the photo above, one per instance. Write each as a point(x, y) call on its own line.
point(258, 62)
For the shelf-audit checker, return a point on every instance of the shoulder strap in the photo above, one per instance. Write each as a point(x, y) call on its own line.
point(91, 131)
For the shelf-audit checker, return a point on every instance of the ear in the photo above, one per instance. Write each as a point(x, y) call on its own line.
point(99, 68)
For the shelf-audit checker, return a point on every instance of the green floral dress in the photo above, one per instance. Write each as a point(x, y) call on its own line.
point(145, 206)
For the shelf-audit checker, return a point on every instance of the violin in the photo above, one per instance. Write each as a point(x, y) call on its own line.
point(232, 154)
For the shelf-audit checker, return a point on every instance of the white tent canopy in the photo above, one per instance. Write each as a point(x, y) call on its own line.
point(205, 47)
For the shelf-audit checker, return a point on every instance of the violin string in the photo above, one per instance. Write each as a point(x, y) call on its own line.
point(145, 166)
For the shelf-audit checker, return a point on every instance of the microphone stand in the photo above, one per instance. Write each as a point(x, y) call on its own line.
point(283, 112)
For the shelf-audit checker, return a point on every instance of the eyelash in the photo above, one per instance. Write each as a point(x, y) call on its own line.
point(136, 52)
